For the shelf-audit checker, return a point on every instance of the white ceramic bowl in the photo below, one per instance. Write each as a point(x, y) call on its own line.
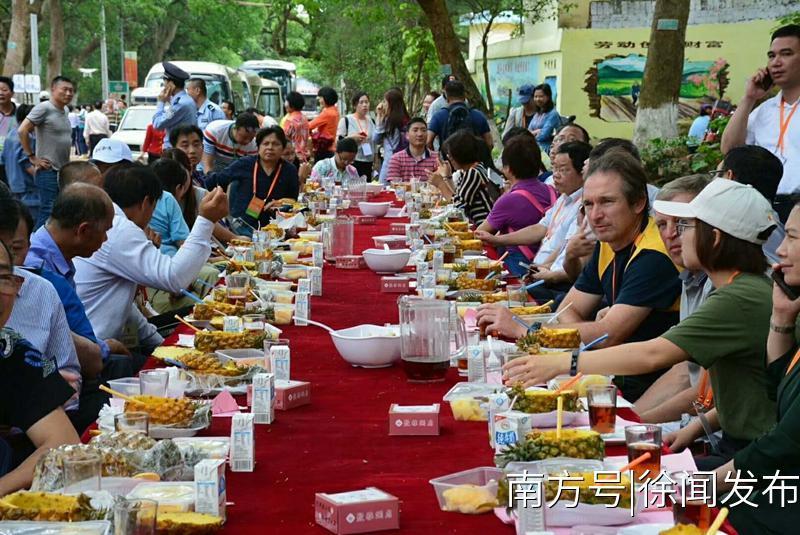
point(378, 209)
point(368, 346)
point(383, 261)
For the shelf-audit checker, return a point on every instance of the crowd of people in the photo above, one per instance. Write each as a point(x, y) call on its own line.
point(94, 252)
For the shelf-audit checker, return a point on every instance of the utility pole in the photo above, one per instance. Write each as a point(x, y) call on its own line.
point(35, 63)
point(103, 51)
point(121, 48)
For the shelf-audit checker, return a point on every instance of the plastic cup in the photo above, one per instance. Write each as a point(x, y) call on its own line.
point(135, 517)
point(517, 294)
point(640, 439)
point(82, 474)
point(153, 383)
point(602, 408)
point(132, 422)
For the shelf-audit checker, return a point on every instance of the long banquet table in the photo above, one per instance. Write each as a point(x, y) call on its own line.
point(340, 441)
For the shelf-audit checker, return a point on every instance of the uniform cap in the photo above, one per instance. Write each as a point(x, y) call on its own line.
point(174, 72)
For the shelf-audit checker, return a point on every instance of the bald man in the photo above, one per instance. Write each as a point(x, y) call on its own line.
point(79, 171)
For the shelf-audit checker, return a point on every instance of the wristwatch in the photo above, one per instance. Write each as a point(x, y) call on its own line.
point(573, 366)
point(781, 329)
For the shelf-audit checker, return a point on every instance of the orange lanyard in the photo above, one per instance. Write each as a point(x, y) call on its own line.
point(274, 180)
point(614, 268)
point(793, 363)
point(705, 394)
point(784, 126)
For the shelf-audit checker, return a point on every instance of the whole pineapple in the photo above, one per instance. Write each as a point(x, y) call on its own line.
point(45, 506)
point(540, 401)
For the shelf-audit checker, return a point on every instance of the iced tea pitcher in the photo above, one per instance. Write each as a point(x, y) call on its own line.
point(424, 338)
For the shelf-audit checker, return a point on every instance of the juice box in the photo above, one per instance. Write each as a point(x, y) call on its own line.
point(210, 487)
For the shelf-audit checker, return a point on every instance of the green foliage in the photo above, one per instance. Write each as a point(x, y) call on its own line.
point(791, 18)
point(666, 160)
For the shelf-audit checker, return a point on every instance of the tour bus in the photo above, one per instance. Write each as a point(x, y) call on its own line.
point(222, 83)
point(267, 96)
point(309, 90)
point(282, 72)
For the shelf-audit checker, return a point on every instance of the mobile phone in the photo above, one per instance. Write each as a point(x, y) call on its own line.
point(792, 292)
point(766, 82)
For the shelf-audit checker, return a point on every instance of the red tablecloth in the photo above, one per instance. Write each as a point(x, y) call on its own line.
point(340, 441)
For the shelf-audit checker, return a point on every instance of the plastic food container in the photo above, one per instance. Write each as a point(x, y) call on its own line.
point(288, 256)
point(243, 357)
point(294, 272)
point(472, 491)
point(211, 447)
point(469, 401)
point(172, 497)
point(127, 385)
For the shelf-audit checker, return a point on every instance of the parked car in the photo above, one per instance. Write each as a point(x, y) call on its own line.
point(132, 128)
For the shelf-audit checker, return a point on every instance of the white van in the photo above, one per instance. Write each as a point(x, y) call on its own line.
point(222, 83)
point(309, 90)
point(284, 73)
point(267, 96)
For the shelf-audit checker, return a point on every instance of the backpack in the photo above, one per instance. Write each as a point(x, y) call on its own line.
point(457, 119)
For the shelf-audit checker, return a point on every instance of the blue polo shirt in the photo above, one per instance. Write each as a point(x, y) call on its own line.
point(44, 253)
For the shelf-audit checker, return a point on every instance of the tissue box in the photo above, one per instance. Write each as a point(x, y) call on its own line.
point(359, 511)
point(395, 285)
point(351, 262)
point(365, 219)
point(291, 394)
point(405, 420)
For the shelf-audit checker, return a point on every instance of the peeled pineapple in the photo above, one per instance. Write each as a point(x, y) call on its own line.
point(458, 226)
point(187, 524)
point(45, 506)
point(540, 401)
point(539, 445)
point(471, 245)
point(561, 338)
point(469, 499)
point(530, 310)
point(210, 341)
point(497, 297)
point(464, 282)
point(208, 363)
point(163, 411)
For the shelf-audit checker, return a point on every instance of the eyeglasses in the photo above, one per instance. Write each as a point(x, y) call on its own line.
point(716, 173)
point(681, 226)
point(10, 284)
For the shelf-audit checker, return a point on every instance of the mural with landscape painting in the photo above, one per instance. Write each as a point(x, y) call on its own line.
point(613, 85)
point(506, 76)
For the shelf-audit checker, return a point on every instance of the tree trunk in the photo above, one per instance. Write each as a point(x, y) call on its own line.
point(82, 56)
point(55, 54)
point(165, 33)
point(448, 49)
point(485, 44)
point(18, 34)
point(657, 114)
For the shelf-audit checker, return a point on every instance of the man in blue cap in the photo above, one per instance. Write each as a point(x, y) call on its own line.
point(175, 107)
point(521, 116)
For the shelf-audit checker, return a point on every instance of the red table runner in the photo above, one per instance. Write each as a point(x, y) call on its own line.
point(340, 441)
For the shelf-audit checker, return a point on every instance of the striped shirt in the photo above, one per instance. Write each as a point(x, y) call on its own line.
point(218, 140)
point(403, 165)
point(39, 317)
point(472, 194)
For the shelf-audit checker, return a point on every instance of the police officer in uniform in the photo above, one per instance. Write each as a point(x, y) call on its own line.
point(175, 106)
point(32, 393)
point(207, 111)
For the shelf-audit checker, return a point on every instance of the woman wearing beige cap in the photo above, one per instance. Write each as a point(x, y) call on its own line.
point(722, 231)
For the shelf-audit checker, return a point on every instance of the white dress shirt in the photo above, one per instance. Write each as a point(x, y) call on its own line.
point(107, 282)
point(96, 123)
point(557, 221)
point(39, 317)
point(763, 129)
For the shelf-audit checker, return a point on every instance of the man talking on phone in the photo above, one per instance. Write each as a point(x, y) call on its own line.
point(771, 124)
point(175, 107)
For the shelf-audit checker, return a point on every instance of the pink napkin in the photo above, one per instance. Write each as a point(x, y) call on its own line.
point(224, 405)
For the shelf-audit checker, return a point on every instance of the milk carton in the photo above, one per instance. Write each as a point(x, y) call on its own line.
point(263, 407)
point(438, 260)
point(304, 285)
point(317, 254)
point(315, 274)
point(210, 488)
point(280, 362)
point(301, 309)
point(242, 442)
point(498, 402)
point(476, 371)
point(510, 427)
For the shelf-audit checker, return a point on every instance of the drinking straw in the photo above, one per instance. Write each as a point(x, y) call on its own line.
point(523, 264)
point(598, 340)
point(636, 462)
point(534, 284)
point(521, 322)
point(569, 383)
point(192, 296)
point(723, 514)
point(195, 329)
point(555, 317)
point(204, 283)
point(120, 395)
point(503, 257)
point(559, 416)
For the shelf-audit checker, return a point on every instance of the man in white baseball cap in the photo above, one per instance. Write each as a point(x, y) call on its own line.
point(109, 152)
point(734, 208)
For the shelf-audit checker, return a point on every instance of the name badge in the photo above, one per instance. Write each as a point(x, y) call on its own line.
point(255, 207)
